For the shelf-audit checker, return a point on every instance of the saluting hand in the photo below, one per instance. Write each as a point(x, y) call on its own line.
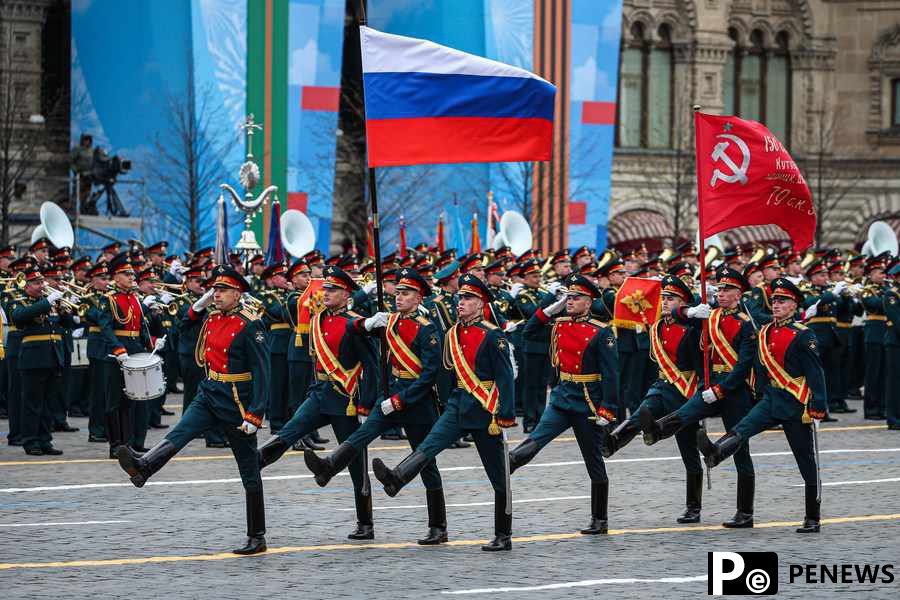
point(204, 300)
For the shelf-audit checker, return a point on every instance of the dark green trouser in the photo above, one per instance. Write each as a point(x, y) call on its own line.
point(97, 390)
point(589, 437)
point(38, 388)
point(192, 376)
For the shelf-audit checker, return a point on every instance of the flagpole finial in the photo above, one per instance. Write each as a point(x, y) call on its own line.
point(696, 107)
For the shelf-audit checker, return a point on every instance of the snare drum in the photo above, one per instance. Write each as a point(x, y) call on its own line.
point(79, 353)
point(144, 378)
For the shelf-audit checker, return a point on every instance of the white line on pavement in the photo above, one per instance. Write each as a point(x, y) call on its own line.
point(574, 584)
point(491, 503)
point(61, 523)
point(83, 486)
point(853, 482)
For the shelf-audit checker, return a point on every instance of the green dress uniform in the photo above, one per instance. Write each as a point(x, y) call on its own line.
point(758, 303)
point(824, 326)
point(583, 350)
point(235, 389)
point(299, 361)
point(675, 347)
point(41, 361)
point(443, 313)
point(892, 357)
point(346, 382)
point(481, 402)
point(13, 379)
point(536, 364)
point(874, 332)
point(414, 349)
point(276, 319)
point(789, 382)
point(99, 366)
point(846, 309)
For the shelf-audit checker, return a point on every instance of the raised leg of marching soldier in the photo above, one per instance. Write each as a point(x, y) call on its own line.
point(97, 392)
point(299, 377)
point(307, 419)
point(352, 448)
point(204, 415)
point(192, 375)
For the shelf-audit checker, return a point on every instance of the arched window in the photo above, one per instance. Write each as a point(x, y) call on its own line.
point(757, 81)
point(644, 111)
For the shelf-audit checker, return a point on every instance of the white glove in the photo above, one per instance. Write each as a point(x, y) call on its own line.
point(248, 428)
point(711, 290)
point(149, 301)
point(515, 289)
point(554, 286)
point(177, 270)
point(369, 287)
point(121, 358)
point(556, 307)
point(379, 319)
point(54, 297)
point(709, 396)
point(511, 326)
point(839, 287)
point(811, 311)
point(602, 422)
point(166, 297)
point(159, 344)
point(701, 311)
point(73, 299)
point(387, 407)
point(78, 333)
point(204, 300)
point(857, 288)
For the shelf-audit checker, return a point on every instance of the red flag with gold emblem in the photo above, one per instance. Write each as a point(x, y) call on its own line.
point(745, 176)
point(310, 303)
point(638, 303)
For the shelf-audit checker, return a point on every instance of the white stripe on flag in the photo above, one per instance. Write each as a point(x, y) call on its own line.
point(388, 53)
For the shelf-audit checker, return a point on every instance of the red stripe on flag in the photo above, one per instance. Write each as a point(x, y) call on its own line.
point(443, 140)
point(577, 213)
point(320, 98)
point(598, 113)
point(298, 201)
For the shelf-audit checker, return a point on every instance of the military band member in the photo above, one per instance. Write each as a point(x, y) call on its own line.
point(583, 349)
point(41, 359)
point(346, 384)
point(529, 297)
point(7, 256)
point(232, 397)
point(675, 347)
point(732, 337)
point(874, 331)
point(857, 346)
point(791, 390)
point(481, 404)
point(129, 327)
point(892, 351)
point(275, 317)
point(300, 363)
point(845, 310)
point(13, 345)
point(53, 274)
point(821, 306)
point(561, 266)
point(414, 347)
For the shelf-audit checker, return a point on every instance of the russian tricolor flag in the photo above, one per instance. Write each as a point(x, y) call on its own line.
point(429, 104)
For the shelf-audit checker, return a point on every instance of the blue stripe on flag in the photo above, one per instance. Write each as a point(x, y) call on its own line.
point(416, 95)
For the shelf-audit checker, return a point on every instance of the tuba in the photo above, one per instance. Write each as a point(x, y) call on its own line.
point(297, 233)
point(516, 232)
point(55, 226)
point(881, 239)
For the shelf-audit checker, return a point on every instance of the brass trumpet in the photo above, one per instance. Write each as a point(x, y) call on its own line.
point(18, 280)
point(79, 309)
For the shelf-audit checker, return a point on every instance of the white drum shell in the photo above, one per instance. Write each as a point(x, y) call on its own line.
point(143, 374)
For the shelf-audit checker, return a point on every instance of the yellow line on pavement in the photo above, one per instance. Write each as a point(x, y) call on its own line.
point(550, 537)
point(395, 447)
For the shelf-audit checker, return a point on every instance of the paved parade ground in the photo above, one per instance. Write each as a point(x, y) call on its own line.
point(73, 526)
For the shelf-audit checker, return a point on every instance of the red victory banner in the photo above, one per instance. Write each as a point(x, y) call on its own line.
point(745, 176)
point(638, 303)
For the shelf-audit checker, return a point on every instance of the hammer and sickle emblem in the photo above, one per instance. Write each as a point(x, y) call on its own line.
point(737, 173)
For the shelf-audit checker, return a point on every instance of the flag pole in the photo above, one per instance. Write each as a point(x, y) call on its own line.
point(704, 343)
point(376, 228)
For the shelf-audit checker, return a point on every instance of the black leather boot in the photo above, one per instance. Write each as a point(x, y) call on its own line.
point(813, 509)
point(394, 479)
point(256, 523)
point(715, 452)
point(331, 465)
point(316, 438)
point(502, 526)
point(437, 518)
point(655, 431)
point(619, 438)
point(141, 467)
point(272, 450)
point(522, 454)
point(743, 518)
point(599, 503)
point(693, 497)
point(365, 528)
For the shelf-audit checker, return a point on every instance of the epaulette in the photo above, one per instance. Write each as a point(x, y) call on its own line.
point(250, 315)
point(800, 326)
point(421, 320)
point(598, 323)
point(563, 319)
point(488, 325)
point(743, 316)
